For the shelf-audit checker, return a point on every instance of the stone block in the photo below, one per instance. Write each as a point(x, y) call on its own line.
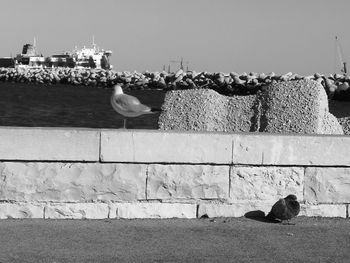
point(77, 211)
point(21, 210)
point(233, 210)
point(265, 183)
point(171, 182)
point(153, 210)
point(49, 144)
point(206, 110)
point(72, 182)
point(277, 149)
point(327, 185)
point(165, 147)
point(323, 210)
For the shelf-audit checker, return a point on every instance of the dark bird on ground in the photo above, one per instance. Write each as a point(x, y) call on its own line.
point(285, 209)
point(128, 106)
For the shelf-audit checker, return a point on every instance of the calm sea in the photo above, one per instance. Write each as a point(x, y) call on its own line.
point(33, 105)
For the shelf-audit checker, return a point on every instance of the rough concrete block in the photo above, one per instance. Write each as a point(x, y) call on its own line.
point(49, 144)
point(327, 185)
point(77, 211)
point(206, 110)
point(187, 182)
point(153, 210)
point(331, 125)
point(296, 107)
point(165, 147)
point(21, 210)
point(282, 107)
point(233, 210)
point(265, 183)
point(273, 149)
point(323, 210)
point(72, 182)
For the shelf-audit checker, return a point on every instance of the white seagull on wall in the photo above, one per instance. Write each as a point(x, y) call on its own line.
point(128, 106)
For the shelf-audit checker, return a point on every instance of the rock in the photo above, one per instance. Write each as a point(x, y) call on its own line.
point(178, 73)
point(238, 81)
point(342, 87)
point(329, 85)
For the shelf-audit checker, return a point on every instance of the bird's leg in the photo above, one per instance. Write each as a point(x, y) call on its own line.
point(124, 124)
point(289, 223)
point(286, 222)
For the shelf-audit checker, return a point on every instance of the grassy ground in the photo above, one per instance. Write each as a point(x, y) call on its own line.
point(175, 240)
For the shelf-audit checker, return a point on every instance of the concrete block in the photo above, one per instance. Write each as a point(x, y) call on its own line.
point(273, 149)
point(327, 185)
point(165, 147)
point(296, 107)
point(72, 182)
point(233, 210)
point(323, 210)
point(265, 183)
point(187, 182)
point(206, 110)
point(77, 211)
point(49, 144)
point(282, 107)
point(21, 210)
point(153, 210)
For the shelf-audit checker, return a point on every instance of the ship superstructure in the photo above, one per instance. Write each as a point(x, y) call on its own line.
point(92, 57)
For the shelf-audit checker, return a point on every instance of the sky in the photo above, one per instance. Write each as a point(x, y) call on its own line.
point(210, 35)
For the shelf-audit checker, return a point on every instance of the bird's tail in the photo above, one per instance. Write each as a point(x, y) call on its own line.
point(156, 110)
point(270, 216)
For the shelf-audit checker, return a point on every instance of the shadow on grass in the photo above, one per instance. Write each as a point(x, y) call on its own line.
point(259, 215)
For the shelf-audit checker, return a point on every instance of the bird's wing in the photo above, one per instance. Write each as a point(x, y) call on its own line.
point(279, 209)
point(130, 104)
point(293, 208)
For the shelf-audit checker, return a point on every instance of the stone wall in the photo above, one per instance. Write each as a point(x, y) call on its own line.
point(90, 173)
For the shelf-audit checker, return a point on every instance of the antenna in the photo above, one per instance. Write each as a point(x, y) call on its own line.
point(181, 62)
point(34, 42)
point(93, 42)
point(340, 55)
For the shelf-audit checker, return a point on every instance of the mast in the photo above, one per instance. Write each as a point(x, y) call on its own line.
point(93, 42)
point(340, 55)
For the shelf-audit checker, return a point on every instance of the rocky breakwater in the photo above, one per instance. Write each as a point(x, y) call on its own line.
point(73, 76)
point(336, 85)
point(281, 107)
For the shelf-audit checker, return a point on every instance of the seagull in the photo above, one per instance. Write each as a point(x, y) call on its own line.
point(285, 209)
point(128, 106)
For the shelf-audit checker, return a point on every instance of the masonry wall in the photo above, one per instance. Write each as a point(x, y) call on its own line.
point(91, 173)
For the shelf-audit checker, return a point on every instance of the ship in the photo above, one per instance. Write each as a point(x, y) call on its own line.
point(86, 57)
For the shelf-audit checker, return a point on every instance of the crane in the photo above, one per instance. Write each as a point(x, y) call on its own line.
point(340, 55)
point(181, 62)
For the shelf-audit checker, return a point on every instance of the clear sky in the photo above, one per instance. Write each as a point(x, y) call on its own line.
point(212, 35)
